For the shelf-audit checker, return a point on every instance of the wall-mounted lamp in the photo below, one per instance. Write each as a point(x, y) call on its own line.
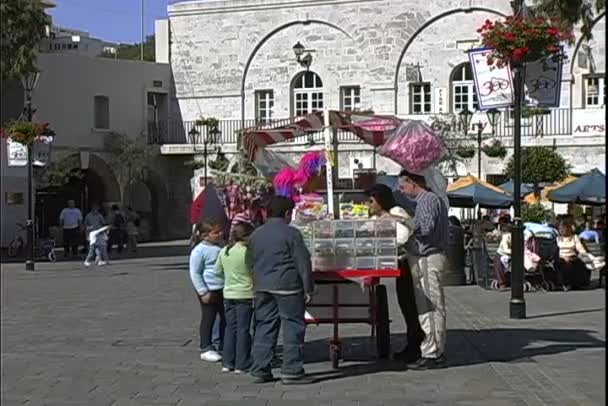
point(306, 60)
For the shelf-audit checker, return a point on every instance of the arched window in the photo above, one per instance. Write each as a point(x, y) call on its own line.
point(307, 93)
point(463, 89)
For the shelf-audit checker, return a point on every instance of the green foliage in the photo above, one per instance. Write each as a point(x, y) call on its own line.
point(495, 149)
point(540, 165)
point(23, 26)
point(528, 112)
point(129, 157)
point(533, 213)
point(133, 51)
point(571, 12)
point(58, 173)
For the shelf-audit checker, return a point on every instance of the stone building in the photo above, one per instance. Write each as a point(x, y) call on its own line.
point(235, 60)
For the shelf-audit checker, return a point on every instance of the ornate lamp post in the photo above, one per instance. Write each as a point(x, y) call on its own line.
point(211, 137)
point(493, 117)
point(29, 83)
point(306, 60)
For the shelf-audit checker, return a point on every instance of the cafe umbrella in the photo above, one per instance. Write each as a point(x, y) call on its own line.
point(589, 189)
point(469, 191)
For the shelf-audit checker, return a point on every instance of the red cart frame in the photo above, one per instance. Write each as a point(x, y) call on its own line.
point(377, 304)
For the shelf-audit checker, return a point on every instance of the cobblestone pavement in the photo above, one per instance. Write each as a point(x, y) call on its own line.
point(126, 335)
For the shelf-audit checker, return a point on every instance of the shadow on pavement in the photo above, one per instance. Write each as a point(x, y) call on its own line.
point(540, 316)
point(465, 348)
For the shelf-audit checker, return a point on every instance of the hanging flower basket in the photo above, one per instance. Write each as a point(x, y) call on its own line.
point(494, 149)
point(26, 132)
point(465, 153)
point(521, 40)
point(534, 111)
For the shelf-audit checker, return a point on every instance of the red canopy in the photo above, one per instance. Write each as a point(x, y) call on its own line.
point(372, 129)
point(196, 207)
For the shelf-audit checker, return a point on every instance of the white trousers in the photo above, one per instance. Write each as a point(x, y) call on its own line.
point(427, 275)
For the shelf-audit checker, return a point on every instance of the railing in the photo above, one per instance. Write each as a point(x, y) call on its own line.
point(556, 122)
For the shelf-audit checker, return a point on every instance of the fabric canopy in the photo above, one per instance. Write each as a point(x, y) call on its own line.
point(508, 187)
point(532, 199)
point(209, 207)
point(470, 191)
point(372, 129)
point(589, 189)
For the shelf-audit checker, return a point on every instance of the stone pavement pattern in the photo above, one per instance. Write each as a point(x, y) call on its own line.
point(127, 335)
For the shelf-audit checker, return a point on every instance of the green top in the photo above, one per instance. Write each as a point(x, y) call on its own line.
point(238, 280)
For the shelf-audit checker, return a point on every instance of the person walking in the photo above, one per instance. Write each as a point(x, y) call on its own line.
point(98, 247)
point(132, 229)
point(207, 283)
point(432, 233)
point(238, 300)
point(283, 282)
point(94, 220)
point(70, 220)
point(116, 219)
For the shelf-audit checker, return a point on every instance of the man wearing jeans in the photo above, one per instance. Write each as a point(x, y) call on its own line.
point(70, 219)
point(432, 233)
point(283, 282)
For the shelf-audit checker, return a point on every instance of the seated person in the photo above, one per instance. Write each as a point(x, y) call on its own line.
point(502, 259)
point(571, 270)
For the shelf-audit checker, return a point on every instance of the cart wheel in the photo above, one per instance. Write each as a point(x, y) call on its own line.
point(545, 286)
point(494, 284)
point(551, 285)
point(52, 256)
point(383, 332)
point(527, 287)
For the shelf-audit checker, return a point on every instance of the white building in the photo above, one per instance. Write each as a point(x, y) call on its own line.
point(234, 60)
point(66, 40)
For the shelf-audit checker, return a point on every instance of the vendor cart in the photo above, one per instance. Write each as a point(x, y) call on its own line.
point(334, 305)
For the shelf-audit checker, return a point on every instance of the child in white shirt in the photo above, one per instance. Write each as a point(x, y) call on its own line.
point(98, 247)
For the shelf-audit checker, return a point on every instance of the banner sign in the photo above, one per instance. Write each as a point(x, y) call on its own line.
point(494, 85)
point(17, 153)
point(542, 82)
point(41, 151)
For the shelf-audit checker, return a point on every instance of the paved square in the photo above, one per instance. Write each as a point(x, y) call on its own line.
point(127, 335)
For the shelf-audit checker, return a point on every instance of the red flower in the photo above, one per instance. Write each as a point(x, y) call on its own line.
point(553, 31)
point(553, 48)
point(480, 30)
point(509, 36)
point(519, 53)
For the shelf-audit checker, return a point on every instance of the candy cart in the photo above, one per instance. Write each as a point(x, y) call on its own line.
point(350, 252)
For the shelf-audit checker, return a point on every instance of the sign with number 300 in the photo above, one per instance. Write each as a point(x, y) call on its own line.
point(494, 85)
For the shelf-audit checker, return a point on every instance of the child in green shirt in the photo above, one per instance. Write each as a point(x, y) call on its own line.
point(238, 300)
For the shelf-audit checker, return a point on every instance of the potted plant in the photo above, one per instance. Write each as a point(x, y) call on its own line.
point(465, 152)
point(523, 39)
point(209, 122)
point(528, 112)
point(27, 132)
point(494, 149)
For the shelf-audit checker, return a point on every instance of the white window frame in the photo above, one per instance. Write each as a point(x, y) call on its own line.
point(350, 97)
point(465, 86)
point(264, 104)
point(600, 97)
point(307, 100)
point(420, 88)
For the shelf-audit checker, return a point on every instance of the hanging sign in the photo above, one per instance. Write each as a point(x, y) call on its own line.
point(542, 82)
point(494, 85)
point(17, 153)
point(41, 151)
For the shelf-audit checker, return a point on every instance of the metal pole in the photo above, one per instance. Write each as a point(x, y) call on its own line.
point(518, 303)
point(479, 130)
point(141, 46)
point(205, 161)
point(30, 264)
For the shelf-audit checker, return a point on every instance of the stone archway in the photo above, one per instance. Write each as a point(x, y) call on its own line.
point(148, 198)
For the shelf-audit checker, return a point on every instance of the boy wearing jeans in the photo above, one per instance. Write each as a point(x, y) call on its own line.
point(283, 282)
point(98, 247)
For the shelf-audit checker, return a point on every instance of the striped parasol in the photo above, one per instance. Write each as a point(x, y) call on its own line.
point(372, 129)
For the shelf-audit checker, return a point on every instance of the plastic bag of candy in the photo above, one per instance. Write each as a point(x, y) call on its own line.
point(310, 207)
point(414, 146)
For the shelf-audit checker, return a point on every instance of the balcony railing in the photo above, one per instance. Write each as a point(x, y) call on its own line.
point(556, 122)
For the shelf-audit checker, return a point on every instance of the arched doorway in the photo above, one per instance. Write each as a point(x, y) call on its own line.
point(307, 93)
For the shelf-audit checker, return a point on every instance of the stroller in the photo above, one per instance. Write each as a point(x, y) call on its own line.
point(540, 272)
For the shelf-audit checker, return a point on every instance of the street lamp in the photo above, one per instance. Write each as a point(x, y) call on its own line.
point(306, 60)
point(493, 117)
point(517, 304)
point(29, 83)
point(465, 119)
point(211, 137)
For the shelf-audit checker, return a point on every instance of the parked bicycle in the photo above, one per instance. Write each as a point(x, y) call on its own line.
point(43, 248)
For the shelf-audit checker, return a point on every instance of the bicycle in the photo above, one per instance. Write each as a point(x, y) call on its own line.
point(43, 248)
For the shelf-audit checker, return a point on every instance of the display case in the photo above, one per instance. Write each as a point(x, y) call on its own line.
point(353, 244)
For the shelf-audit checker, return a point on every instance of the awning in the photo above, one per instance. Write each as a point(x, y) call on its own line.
point(372, 129)
point(470, 192)
point(531, 199)
point(524, 189)
point(589, 189)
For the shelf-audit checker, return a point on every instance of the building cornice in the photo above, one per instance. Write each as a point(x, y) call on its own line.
point(235, 6)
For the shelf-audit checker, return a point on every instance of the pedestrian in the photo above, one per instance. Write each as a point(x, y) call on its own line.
point(70, 220)
point(94, 220)
point(432, 233)
point(116, 219)
point(132, 229)
point(208, 283)
point(238, 300)
point(382, 205)
point(98, 247)
point(283, 282)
